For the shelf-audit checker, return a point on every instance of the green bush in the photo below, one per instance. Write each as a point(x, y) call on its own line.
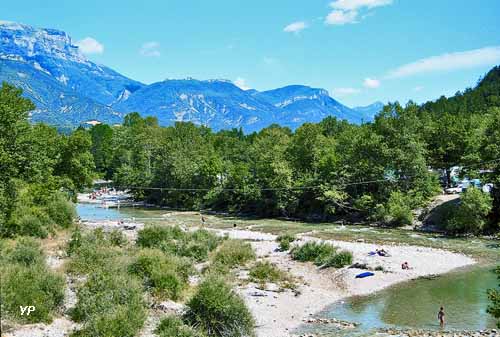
point(37, 211)
point(207, 238)
point(117, 238)
point(153, 236)
point(27, 252)
point(313, 251)
point(398, 210)
point(218, 311)
point(29, 221)
point(285, 241)
point(470, 215)
point(26, 281)
point(339, 260)
point(263, 272)
point(32, 285)
point(90, 252)
point(110, 303)
point(75, 242)
point(61, 210)
point(172, 326)
point(167, 275)
point(196, 245)
point(365, 204)
point(233, 253)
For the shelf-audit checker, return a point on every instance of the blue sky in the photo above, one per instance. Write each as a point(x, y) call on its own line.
point(359, 50)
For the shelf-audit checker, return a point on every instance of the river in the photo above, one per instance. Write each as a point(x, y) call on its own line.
point(412, 304)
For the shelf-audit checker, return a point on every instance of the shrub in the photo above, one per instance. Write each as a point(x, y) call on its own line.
point(218, 311)
point(365, 204)
point(196, 245)
point(29, 221)
point(233, 253)
point(110, 303)
point(198, 251)
point(284, 241)
point(263, 272)
point(31, 285)
point(90, 252)
point(27, 252)
point(153, 236)
point(313, 251)
point(470, 215)
point(339, 260)
point(167, 275)
point(398, 210)
point(209, 239)
point(172, 326)
point(167, 283)
point(36, 211)
point(61, 210)
point(75, 242)
point(117, 238)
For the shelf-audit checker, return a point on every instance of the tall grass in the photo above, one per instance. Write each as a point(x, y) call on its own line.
point(322, 254)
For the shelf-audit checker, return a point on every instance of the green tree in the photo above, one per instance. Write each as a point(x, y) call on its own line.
point(471, 214)
point(491, 154)
point(102, 136)
point(77, 164)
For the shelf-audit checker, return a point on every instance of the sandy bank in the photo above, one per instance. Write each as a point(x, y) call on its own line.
point(278, 314)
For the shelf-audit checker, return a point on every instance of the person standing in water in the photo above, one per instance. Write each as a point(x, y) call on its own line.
point(441, 317)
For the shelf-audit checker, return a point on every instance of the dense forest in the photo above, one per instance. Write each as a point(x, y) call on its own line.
point(40, 170)
point(379, 171)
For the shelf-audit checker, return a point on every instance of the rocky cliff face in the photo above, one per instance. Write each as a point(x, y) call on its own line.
point(67, 89)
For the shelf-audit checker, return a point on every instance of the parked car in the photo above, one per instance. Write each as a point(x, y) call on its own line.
point(454, 190)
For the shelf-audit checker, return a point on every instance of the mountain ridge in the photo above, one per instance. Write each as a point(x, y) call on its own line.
point(68, 89)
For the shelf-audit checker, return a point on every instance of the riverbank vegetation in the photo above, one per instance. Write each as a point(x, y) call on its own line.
point(40, 170)
point(380, 171)
point(494, 296)
point(27, 281)
point(322, 254)
point(111, 301)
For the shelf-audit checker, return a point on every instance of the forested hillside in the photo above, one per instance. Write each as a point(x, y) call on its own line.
point(40, 170)
point(381, 170)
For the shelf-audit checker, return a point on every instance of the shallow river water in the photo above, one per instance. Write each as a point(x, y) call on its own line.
point(412, 304)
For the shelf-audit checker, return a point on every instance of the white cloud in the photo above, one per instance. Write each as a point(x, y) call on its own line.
point(269, 60)
point(241, 83)
point(90, 45)
point(371, 83)
point(150, 49)
point(452, 61)
point(351, 5)
point(295, 27)
point(341, 17)
point(347, 11)
point(418, 88)
point(341, 92)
